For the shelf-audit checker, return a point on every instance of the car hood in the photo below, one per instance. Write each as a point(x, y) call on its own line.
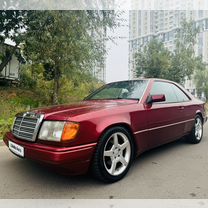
point(65, 112)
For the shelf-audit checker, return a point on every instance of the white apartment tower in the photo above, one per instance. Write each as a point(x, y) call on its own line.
point(162, 24)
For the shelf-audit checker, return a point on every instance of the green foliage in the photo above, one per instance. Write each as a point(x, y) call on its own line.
point(200, 79)
point(72, 89)
point(157, 62)
point(66, 42)
point(27, 80)
point(71, 92)
point(12, 26)
point(5, 126)
point(61, 48)
point(12, 23)
point(14, 101)
point(184, 61)
point(154, 61)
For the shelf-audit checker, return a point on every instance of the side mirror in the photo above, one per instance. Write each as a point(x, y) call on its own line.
point(156, 98)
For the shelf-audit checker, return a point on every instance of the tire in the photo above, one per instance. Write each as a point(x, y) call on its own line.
point(113, 156)
point(196, 134)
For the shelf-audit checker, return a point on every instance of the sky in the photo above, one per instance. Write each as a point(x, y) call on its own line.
point(117, 58)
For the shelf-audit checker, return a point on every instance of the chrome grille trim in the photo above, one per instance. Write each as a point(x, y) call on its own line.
point(27, 125)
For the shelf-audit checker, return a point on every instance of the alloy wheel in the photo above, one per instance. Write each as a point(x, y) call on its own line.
point(117, 154)
point(198, 128)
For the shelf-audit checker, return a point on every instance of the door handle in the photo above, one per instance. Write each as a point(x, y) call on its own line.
point(181, 108)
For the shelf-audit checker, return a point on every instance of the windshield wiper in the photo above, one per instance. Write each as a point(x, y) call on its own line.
point(119, 98)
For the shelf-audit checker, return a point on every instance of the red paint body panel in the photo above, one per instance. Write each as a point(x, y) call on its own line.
point(74, 160)
point(150, 126)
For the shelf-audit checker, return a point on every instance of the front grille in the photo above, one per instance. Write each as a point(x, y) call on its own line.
point(26, 126)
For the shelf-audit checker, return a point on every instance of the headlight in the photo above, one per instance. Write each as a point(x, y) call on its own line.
point(58, 131)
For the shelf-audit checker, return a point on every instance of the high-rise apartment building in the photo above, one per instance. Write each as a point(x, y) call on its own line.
point(163, 24)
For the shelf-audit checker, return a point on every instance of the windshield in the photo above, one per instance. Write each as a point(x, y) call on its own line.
point(120, 90)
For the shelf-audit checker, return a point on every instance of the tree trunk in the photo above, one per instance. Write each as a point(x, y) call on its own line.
point(7, 59)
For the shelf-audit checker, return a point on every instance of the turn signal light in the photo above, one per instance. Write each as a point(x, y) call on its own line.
point(70, 131)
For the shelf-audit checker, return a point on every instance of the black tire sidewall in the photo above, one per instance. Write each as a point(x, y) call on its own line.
point(103, 173)
point(192, 137)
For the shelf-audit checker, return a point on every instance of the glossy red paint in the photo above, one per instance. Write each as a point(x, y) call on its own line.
point(74, 160)
point(150, 124)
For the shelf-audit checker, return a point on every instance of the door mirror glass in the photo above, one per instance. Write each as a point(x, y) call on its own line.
point(156, 98)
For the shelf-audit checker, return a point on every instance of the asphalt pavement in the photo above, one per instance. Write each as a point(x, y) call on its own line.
point(176, 170)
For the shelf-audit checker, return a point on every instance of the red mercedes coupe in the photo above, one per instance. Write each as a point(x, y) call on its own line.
point(106, 131)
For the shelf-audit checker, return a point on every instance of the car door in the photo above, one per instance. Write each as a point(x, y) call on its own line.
point(188, 108)
point(165, 119)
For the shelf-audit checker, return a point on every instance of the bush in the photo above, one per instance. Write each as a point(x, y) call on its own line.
point(36, 91)
point(71, 92)
point(5, 126)
point(13, 101)
point(26, 79)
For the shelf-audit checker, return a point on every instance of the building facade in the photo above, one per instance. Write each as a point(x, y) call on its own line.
point(163, 24)
point(12, 70)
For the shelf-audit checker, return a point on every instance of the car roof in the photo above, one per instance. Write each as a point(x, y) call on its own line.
point(148, 79)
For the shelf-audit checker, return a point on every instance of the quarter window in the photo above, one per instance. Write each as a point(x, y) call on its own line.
point(182, 97)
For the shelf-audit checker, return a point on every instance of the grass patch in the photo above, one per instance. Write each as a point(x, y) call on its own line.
point(13, 101)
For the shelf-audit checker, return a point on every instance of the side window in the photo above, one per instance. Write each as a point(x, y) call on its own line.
point(166, 89)
point(182, 97)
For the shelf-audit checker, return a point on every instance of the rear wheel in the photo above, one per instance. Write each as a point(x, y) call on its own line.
point(197, 132)
point(114, 155)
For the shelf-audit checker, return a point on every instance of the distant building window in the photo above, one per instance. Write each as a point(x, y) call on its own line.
point(201, 25)
point(200, 48)
point(171, 35)
point(167, 37)
point(201, 13)
point(206, 24)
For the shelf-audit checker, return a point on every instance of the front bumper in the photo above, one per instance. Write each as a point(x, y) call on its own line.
point(68, 160)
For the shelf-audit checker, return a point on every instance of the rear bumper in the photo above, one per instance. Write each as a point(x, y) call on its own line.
point(68, 160)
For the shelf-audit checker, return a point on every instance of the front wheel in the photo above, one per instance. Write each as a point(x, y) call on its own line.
point(114, 155)
point(197, 132)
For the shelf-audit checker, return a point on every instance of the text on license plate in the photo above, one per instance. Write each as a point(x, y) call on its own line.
point(17, 149)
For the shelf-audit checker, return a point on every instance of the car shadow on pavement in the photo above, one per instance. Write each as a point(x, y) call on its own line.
point(41, 173)
point(41, 180)
point(156, 155)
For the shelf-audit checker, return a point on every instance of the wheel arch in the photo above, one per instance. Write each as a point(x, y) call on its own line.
point(200, 114)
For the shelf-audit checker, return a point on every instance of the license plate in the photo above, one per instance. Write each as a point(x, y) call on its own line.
point(16, 149)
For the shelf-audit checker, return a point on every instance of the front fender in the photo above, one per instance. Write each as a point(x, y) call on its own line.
point(107, 122)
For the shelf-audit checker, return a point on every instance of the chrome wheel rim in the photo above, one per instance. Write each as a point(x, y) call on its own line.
point(117, 153)
point(198, 128)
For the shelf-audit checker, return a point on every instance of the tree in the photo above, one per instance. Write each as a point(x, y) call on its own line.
point(157, 62)
point(12, 26)
point(154, 61)
point(184, 60)
point(66, 42)
point(200, 79)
